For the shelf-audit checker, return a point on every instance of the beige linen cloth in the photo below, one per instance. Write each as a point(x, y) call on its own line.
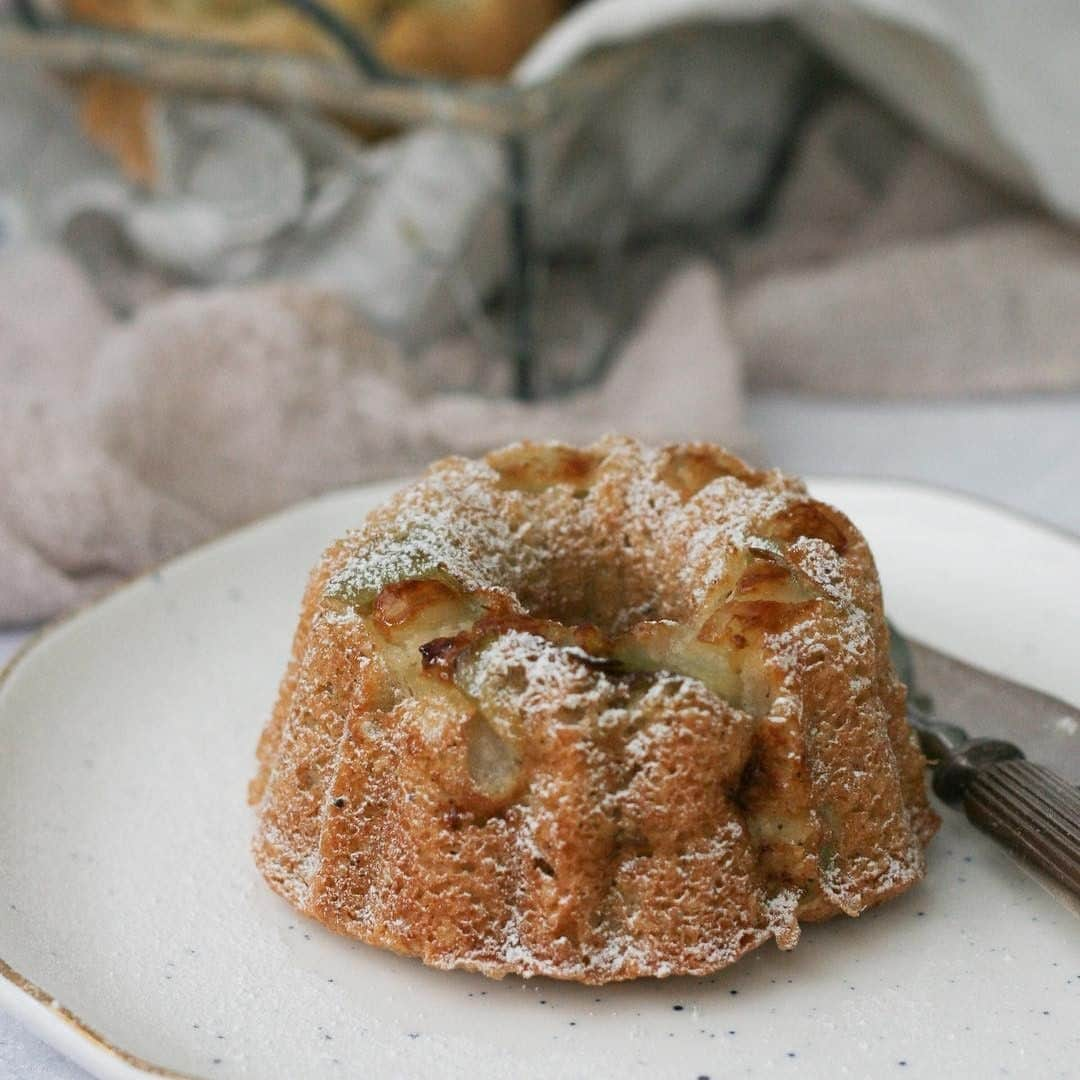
point(883, 267)
point(124, 443)
point(121, 446)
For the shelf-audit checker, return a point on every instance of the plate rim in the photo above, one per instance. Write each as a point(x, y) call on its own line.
point(23, 991)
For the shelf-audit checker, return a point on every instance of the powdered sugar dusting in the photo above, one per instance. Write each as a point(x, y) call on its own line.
point(462, 535)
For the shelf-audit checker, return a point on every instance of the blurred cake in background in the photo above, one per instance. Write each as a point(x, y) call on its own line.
point(461, 39)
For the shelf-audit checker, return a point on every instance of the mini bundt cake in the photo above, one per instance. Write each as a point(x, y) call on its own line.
point(593, 714)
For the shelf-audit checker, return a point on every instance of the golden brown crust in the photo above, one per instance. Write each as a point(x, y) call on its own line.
point(591, 713)
point(114, 114)
point(471, 39)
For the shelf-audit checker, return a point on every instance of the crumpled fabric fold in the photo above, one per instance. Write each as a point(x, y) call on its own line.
point(210, 409)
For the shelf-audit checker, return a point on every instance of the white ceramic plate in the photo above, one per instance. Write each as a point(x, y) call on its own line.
point(135, 930)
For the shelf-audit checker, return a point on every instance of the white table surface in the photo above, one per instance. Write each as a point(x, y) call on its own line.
point(1023, 453)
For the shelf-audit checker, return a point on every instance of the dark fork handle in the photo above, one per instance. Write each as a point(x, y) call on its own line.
point(1032, 810)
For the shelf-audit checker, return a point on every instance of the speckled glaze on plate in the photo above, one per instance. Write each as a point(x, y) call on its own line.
point(136, 935)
